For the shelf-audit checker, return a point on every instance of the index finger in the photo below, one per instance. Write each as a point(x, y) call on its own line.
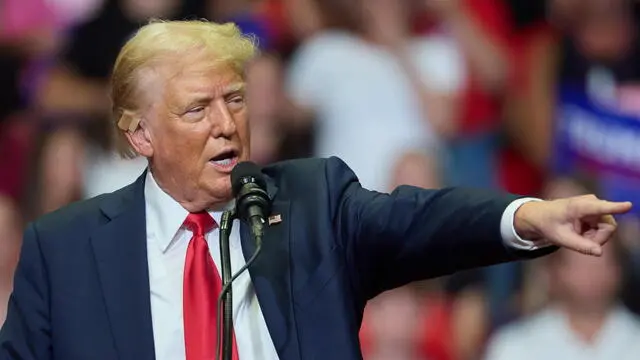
point(603, 207)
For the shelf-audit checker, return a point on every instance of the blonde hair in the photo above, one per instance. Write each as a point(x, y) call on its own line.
point(159, 40)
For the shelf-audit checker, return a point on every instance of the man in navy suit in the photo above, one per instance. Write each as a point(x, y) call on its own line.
point(133, 275)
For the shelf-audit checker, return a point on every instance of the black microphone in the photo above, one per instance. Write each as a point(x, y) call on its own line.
point(252, 206)
point(252, 201)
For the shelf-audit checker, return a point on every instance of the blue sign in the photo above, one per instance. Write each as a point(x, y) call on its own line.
point(599, 141)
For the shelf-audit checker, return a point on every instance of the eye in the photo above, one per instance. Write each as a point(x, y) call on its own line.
point(236, 102)
point(236, 99)
point(196, 110)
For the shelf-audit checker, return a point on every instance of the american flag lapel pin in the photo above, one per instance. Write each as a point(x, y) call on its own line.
point(275, 219)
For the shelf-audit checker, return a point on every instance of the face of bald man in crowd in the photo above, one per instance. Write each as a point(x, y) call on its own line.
point(195, 129)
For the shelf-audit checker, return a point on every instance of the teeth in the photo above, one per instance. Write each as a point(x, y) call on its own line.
point(224, 162)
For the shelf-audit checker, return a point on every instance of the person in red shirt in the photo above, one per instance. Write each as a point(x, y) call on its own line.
point(482, 29)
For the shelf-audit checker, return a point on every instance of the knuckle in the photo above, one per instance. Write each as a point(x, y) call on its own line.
point(573, 205)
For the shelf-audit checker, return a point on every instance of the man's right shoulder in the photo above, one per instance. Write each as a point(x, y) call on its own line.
point(76, 219)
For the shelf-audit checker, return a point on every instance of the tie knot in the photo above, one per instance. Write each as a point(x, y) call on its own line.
point(199, 223)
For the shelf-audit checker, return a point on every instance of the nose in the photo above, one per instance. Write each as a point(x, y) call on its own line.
point(224, 123)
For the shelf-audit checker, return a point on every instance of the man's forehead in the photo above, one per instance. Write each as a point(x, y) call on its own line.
point(175, 81)
point(203, 76)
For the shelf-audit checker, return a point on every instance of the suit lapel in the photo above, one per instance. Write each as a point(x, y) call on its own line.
point(120, 250)
point(271, 278)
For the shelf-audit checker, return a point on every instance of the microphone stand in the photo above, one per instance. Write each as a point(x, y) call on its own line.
point(225, 300)
point(227, 324)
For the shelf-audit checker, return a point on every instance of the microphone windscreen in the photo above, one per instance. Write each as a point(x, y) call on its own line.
point(246, 172)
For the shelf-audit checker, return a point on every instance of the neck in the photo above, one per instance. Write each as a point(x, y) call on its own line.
point(194, 201)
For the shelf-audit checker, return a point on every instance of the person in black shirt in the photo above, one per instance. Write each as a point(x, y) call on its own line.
point(74, 98)
point(10, 99)
point(15, 53)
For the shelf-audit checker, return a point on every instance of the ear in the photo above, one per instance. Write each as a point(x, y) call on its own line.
point(137, 133)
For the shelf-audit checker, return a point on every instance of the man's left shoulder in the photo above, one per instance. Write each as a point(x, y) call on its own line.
point(302, 177)
point(309, 167)
point(295, 166)
point(302, 170)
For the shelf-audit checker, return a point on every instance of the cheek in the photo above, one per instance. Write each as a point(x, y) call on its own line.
point(242, 126)
point(181, 145)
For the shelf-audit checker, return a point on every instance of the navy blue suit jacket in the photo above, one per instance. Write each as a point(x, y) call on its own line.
point(82, 284)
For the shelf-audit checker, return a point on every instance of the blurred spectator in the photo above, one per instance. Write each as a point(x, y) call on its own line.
point(533, 80)
point(596, 122)
point(583, 322)
point(444, 325)
point(481, 28)
point(585, 45)
point(264, 97)
point(584, 319)
point(394, 326)
point(375, 91)
point(523, 158)
point(26, 33)
point(28, 22)
point(535, 293)
point(73, 100)
point(416, 169)
point(598, 78)
point(70, 12)
point(556, 50)
point(421, 321)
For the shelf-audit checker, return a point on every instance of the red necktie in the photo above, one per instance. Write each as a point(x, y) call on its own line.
point(202, 286)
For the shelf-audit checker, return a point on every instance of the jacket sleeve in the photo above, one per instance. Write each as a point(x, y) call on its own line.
point(415, 234)
point(26, 333)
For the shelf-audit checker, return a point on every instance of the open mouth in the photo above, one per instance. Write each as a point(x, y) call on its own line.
point(226, 160)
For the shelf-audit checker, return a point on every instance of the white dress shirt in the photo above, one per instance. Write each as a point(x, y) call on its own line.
point(167, 242)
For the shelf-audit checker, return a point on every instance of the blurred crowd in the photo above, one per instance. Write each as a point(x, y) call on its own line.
point(529, 96)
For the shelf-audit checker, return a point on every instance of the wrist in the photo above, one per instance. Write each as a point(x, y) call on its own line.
point(524, 221)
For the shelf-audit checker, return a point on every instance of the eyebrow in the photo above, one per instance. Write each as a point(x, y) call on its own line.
point(227, 90)
point(234, 88)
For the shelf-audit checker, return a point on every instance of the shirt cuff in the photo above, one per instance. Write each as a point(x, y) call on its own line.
point(508, 230)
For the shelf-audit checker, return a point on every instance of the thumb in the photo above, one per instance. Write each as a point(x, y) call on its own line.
point(573, 241)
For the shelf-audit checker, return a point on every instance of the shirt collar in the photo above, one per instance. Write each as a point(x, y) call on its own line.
point(164, 215)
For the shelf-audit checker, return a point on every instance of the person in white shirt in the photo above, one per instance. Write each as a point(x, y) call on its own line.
point(376, 92)
point(134, 274)
point(584, 321)
point(104, 172)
